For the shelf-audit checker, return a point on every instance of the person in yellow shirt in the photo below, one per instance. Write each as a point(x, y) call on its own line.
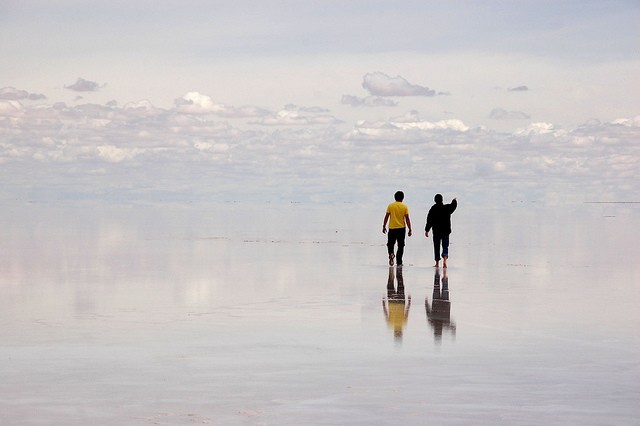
point(398, 218)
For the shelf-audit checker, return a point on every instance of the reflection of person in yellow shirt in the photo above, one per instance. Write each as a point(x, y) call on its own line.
point(398, 217)
point(396, 313)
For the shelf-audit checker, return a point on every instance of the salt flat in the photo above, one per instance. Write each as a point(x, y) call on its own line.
point(261, 313)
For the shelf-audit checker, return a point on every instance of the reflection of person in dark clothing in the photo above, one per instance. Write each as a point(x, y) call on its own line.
point(439, 219)
point(439, 313)
point(394, 308)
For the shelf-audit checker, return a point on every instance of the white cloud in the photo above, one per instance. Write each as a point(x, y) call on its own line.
point(115, 155)
point(369, 101)
point(536, 129)
point(503, 114)
point(297, 117)
point(82, 85)
point(628, 122)
point(409, 126)
point(453, 124)
point(312, 110)
point(412, 116)
point(300, 150)
point(13, 94)
point(142, 106)
point(198, 103)
point(10, 108)
point(199, 142)
point(195, 102)
point(380, 84)
point(211, 146)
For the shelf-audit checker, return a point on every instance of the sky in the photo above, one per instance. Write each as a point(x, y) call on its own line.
point(321, 101)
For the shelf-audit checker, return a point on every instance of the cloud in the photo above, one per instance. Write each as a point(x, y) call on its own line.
point(518, 89)
point(198, 103)
point(627, 122)
point(380, 84)
point(297, 117)
point(114, 154)
point(142, 150)
point(412, 116)
point(195, 102)
point(143, 107)
point(13, 94)
point(82, 85)
point(406, 127)
point(369, 101)
point(502, 114)
point(412, 120)
point(10, 108)
point(539, 128)
point(313, 109)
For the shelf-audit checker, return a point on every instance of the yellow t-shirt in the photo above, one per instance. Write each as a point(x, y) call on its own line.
point(397, 317)
point(397, 211)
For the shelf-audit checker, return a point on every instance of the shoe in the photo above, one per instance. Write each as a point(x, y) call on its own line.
point(391, 257)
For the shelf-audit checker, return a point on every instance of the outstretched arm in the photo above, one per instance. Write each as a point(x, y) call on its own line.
point(426, 305)
point(453, 205)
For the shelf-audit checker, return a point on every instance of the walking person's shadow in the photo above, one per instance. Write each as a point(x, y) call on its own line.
point(439, 312)
point(396, 306)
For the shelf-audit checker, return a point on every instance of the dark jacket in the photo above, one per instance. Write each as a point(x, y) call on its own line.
point(439, 218)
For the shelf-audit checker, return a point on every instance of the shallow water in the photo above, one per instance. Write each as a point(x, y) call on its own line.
point(280, 314)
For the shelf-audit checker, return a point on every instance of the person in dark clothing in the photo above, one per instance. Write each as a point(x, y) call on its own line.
point(439, 219)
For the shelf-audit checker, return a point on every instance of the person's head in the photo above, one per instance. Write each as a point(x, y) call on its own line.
point(399, 196)
point(438, 199)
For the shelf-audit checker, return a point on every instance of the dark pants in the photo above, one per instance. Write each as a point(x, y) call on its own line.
point(392, 293)
point(437, 240)
point(396, 234)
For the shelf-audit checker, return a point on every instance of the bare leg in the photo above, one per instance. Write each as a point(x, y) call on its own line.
point(444, 261)
point(437, 265)
point(391, 256)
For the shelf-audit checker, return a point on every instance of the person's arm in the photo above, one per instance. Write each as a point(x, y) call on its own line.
point(384, 224)
point(454, 205)
point(406, 312)
point(406, 217)
point(427, 227)
point(426, 305)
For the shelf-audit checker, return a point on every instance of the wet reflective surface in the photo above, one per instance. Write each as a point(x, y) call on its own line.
point(264, 314)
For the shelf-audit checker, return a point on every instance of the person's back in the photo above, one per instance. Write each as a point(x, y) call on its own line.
point(398, 216)
point(439, 217)
point(397, 212)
